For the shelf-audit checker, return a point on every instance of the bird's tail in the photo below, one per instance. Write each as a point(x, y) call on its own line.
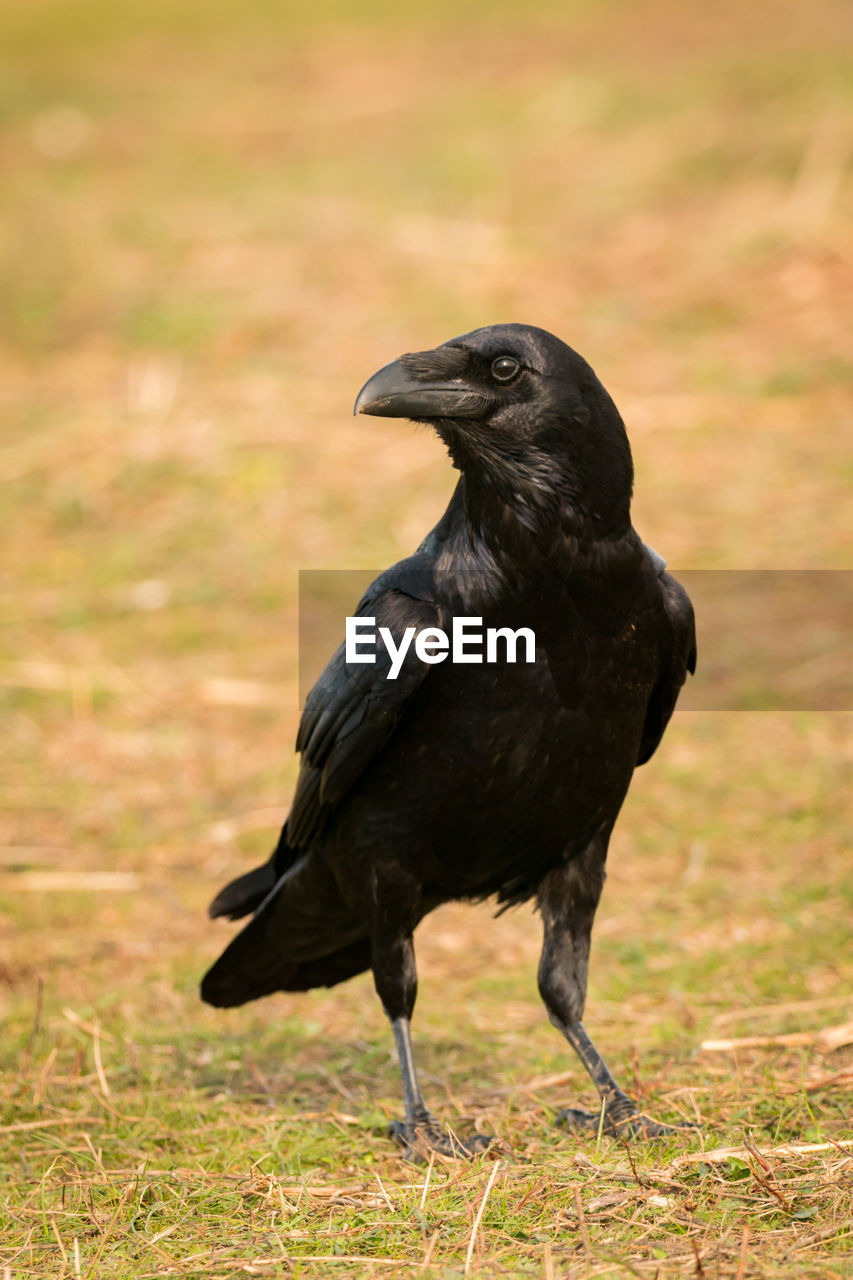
point(302, 935)
point(245, 894)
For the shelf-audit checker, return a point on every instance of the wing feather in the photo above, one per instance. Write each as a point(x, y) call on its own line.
point(353, 708)
point(679, 660)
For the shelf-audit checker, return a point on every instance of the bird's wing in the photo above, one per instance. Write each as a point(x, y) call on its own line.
point(353, 708)
point(679, 658)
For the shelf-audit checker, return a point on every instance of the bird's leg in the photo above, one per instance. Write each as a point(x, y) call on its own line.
point(420, 1131)
point(396, 982)
point(618, 1116)
point(568, 897)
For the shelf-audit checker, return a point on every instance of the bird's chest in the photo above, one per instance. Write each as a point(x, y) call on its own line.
point(546, 747)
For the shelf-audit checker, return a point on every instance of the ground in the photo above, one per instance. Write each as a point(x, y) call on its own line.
point(218, 220)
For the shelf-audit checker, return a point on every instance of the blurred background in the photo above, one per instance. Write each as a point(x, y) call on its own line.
point(217, 220)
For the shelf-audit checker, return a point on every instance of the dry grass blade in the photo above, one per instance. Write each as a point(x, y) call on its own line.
point(385, 1196)
point(99, 1066)
point(826, 1040)
point(479, 1215)
point(838, 1080)
point(427, 1180)
point(835, 1231)
point(222, 691)
point(70, 882)
point(778, 1010)
point(108, 1230)
point(780, 1151)
point(29, 1125)
point(342, 1258)
point(584, 1230)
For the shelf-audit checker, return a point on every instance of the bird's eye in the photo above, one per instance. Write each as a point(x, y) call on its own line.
point(505, 368)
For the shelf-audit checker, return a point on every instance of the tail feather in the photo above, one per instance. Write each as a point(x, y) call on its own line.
point(302, 935)
point(226, 986)
point(245, 894)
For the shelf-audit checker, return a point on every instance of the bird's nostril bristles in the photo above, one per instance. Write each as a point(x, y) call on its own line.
point(443, 362)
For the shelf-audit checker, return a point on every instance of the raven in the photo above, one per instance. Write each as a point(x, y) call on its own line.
point(466, 781)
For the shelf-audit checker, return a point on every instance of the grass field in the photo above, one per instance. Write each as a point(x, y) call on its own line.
point(217, 220)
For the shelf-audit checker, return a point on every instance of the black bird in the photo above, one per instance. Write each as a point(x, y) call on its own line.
point(467, 781)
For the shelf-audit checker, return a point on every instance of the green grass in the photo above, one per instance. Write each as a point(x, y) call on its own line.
point(217, 221)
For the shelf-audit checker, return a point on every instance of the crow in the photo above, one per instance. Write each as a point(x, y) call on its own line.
point(470, 780)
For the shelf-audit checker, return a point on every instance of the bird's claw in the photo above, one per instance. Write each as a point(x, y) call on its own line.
point(619, 1122)
point(426, 1134)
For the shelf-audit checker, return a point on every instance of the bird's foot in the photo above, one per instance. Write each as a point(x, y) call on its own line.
point(423, 1135)
point(621, 1119)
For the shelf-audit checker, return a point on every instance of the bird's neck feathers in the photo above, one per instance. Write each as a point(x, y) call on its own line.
point(532, 502)
point(509, 550)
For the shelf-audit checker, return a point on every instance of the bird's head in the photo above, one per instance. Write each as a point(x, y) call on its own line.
point(524, 419)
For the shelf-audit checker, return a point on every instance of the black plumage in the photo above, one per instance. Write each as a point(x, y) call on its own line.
point(466, 781)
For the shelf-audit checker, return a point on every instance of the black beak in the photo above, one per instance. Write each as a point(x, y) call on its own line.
point(396, 392)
